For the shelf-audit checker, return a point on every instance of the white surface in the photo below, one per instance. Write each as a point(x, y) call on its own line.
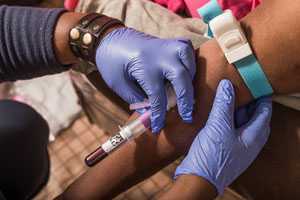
point(53, 97)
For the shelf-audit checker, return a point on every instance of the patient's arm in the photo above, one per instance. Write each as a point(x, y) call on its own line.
point(275, 39)
point(190, 187)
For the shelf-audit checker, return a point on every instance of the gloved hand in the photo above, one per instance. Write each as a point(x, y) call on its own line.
point(126, 57)
point(221, 152)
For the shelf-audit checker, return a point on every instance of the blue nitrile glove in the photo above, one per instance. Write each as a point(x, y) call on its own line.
point(126, 57)
point(221, 152)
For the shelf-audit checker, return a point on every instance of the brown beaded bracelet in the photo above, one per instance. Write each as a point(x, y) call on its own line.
point(85, 37)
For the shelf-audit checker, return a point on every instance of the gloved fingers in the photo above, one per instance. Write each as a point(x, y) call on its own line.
point(243, 114)
point(257, 130)
point(156, 92)
point(183, 86)
point(158, 100)
point(186, 54)
point(129, 92)
point(223, 106)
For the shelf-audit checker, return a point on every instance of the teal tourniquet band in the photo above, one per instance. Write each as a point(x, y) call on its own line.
point(210, 11)
point(254, 77)
point(249, 68)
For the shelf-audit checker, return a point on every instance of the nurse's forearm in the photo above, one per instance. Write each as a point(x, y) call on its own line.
point(41, 47)
point(65, 23)
point(276, 44)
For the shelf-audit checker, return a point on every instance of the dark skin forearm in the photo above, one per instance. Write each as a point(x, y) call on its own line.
point(61, 37)
point(275, 43)
point(274, 37)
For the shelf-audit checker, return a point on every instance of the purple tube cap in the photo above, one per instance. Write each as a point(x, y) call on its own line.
point(145, 119)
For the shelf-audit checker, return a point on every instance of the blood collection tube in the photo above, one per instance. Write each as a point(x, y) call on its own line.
point(133, 129)
point(127, 132)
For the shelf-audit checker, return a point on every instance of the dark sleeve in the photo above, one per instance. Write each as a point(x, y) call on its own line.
point(26, 43)
point(2, 196)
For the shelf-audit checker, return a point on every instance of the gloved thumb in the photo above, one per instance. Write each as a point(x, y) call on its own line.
point(257, 130)
point(223, 106)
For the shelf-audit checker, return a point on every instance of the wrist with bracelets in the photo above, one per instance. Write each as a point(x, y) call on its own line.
point(85, 37)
